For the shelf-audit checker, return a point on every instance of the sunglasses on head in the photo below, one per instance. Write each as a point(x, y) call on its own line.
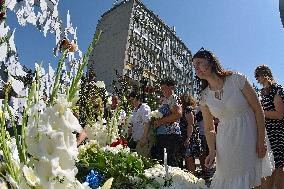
point(203, 53)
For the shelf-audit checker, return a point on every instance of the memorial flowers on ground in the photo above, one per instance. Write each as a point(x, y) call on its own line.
point(117, 162)
point(178, 178)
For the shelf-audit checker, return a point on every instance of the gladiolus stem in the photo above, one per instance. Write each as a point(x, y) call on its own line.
point(76, 79)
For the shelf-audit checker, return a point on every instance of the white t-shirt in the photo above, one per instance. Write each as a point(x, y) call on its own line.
point(139, 117)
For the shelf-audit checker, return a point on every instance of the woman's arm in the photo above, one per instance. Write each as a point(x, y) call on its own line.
point(189, 129)
point(176, 113)
point(254, 103)
point(209, 128)
point(210, 135)
point(82, 136)
point(145, 136)
point(146, 126)
point(279, 109)
point(190, 120)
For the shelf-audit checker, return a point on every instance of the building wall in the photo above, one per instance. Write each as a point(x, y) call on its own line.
point(108, 54)
point(154, 51)
point(281, 11)
point(138, 44)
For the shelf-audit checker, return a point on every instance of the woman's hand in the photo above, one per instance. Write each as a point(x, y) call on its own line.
point(261, 148)
point(143, 142)
point(187, 142)
point(82, 136)
point(210, 159)
point(157, 123)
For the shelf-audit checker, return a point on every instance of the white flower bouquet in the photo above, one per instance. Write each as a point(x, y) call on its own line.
point(105, 132)
point(156, 114)
point(177, 178)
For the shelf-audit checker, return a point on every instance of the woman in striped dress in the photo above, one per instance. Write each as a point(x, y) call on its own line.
point(272, 96)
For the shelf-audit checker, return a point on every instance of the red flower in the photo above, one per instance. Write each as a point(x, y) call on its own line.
point(118, 142)
point(146, 89)
point(151, 89)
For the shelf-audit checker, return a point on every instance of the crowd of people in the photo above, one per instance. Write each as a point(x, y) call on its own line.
point(231, 127)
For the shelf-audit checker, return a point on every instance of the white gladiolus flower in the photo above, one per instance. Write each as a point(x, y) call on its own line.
point(11, 4)
point(66, 158)
point(62, 118)
point(108, 183)
point(66, 175)
point(13, 147)
point(37, 108)
point(72, 121)
point(32, 138)
point(51, 145)
point(109, 102)
point(100, 84)
point(50, 141)
point(3, 29)
point(52, 176)
point(81, 186)
point(12, 182)
point(61, 104)
point(12, 43)
point(30, 176)
point(3, 185)
point(98, 131)
point(44, 170)
point(3, 51)
point(56, 146)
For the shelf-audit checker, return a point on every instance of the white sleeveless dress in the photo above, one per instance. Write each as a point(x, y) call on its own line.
point(237, 164)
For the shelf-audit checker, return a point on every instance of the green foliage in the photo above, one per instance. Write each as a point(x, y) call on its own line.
point(122, 165)
point(91, 101)
point(122, 87)
point(152, 99)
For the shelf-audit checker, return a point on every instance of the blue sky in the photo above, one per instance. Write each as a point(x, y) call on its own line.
point(243, 34)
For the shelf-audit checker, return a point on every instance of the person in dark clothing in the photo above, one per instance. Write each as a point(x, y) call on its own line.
point(189, 132)
point(272, 96)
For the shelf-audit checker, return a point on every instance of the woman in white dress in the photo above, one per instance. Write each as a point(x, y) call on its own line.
point(240, 145)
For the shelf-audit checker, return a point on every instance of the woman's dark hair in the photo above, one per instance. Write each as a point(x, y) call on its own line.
point(187, 100)
point(136, 95)
point(214, 62)
point(264, 71)
point(168, 81)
